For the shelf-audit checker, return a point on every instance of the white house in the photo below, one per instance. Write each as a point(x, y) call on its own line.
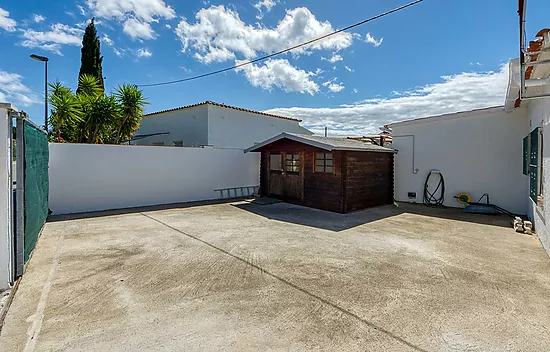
point(496, 150)
point(212, 124)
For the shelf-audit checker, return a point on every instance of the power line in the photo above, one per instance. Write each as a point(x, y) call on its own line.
point(283, 51)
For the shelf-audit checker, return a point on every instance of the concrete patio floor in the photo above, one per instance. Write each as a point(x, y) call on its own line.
point(248, 277)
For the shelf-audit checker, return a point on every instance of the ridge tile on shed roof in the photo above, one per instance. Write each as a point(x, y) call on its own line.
point(327, 143)
point(208, 102)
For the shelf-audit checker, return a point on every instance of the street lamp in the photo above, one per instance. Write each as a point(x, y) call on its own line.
point(45, 60)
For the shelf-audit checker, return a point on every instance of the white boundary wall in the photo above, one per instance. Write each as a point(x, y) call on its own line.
point(477, 152)
point(6, 236)
point(87, 177)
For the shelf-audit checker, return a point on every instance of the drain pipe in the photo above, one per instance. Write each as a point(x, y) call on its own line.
point(414, 169)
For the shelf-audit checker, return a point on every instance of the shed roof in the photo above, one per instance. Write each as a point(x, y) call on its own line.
point(326, 143)
point(208, 102)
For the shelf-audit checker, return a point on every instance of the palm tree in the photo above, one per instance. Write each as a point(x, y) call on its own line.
point(132, 104)
point(65, 107)
point(89, 85)
point(103, 112)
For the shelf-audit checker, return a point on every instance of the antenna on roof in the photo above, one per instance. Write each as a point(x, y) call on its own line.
point(326, 131)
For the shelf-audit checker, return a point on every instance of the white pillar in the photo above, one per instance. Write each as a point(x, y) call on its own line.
point(6, 215)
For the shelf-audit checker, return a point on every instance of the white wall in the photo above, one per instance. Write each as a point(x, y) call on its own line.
point(98, 177)
point(476, 153)
point(538, 112)
point(230, 128)
point(6, 240)
point(187, 125)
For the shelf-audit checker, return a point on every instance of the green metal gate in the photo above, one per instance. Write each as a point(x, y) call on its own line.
point(36, 184)
point(32, 189)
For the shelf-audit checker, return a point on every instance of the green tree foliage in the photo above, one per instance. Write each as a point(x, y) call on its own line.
point(90, 116)
point(65, 108)
point(91, 58)
point(132, 103)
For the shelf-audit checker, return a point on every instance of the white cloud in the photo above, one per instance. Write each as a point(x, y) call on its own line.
point(109, 42)
point(38, 18)
point(335, 58)
point(52, 40)
point(355, 91)
point(333, 86)
point(143, 52)
point(463, 91)
point(7, 23)
point(168, 26)
point(371, 40)
point(138, 30)
point(136, 14)
point(260, 5)
point(279, 73)
point(219, 28)
point(145, 10)
point(215, 55)
point(348, 68)
point(14, 91)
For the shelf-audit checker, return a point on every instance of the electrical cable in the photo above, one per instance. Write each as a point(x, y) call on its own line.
point(429, 197)
point(282, 51)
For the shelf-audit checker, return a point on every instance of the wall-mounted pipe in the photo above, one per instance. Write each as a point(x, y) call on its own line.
point(414, 169)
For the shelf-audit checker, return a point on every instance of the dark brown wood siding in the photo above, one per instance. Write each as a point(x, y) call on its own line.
point(369, 180)
point(360, 179)
point(263, 175)
point(322, 190)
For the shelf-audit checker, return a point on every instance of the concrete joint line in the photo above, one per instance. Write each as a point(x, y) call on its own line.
point(303, 290)
point(38, 317)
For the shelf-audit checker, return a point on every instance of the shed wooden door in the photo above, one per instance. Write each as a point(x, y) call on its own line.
point(292, 181)
point(276, 175)
point(286, 175)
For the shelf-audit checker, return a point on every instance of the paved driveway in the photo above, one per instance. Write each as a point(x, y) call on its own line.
point(247, 277)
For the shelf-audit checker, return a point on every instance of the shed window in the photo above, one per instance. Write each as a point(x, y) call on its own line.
point(324, 162)
point(292, 163)
point(275, 162)
point(158, 144)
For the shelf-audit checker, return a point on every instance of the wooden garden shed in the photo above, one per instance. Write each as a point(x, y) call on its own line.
point(336, 174)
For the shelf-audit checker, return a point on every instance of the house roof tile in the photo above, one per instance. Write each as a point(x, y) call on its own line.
point(208, 102)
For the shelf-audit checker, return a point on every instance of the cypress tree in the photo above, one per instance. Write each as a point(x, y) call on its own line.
point(91, 55)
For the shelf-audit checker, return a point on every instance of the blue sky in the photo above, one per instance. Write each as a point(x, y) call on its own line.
point(435, 57)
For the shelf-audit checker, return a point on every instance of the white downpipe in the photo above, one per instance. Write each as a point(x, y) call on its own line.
point(514, 85)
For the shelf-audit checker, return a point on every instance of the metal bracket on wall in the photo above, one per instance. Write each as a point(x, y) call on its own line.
point(414, 169)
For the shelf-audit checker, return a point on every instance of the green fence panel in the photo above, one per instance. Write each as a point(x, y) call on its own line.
point(36, 184)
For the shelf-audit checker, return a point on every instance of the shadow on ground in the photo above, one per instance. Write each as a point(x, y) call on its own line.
point(331, 221)
point(137, 210)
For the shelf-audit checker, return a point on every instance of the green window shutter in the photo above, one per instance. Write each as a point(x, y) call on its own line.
point(526, 145)
point(533, 165)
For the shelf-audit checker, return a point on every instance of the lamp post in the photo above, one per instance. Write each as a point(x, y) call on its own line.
point(44, 60)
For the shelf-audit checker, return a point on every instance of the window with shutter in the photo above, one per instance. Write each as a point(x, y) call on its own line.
point(534, 161)
point(526, 147)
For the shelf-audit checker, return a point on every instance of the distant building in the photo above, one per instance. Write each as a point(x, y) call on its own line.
point(212, 124)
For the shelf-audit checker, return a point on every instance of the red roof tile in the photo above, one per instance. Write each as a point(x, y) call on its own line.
point(208, 102)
